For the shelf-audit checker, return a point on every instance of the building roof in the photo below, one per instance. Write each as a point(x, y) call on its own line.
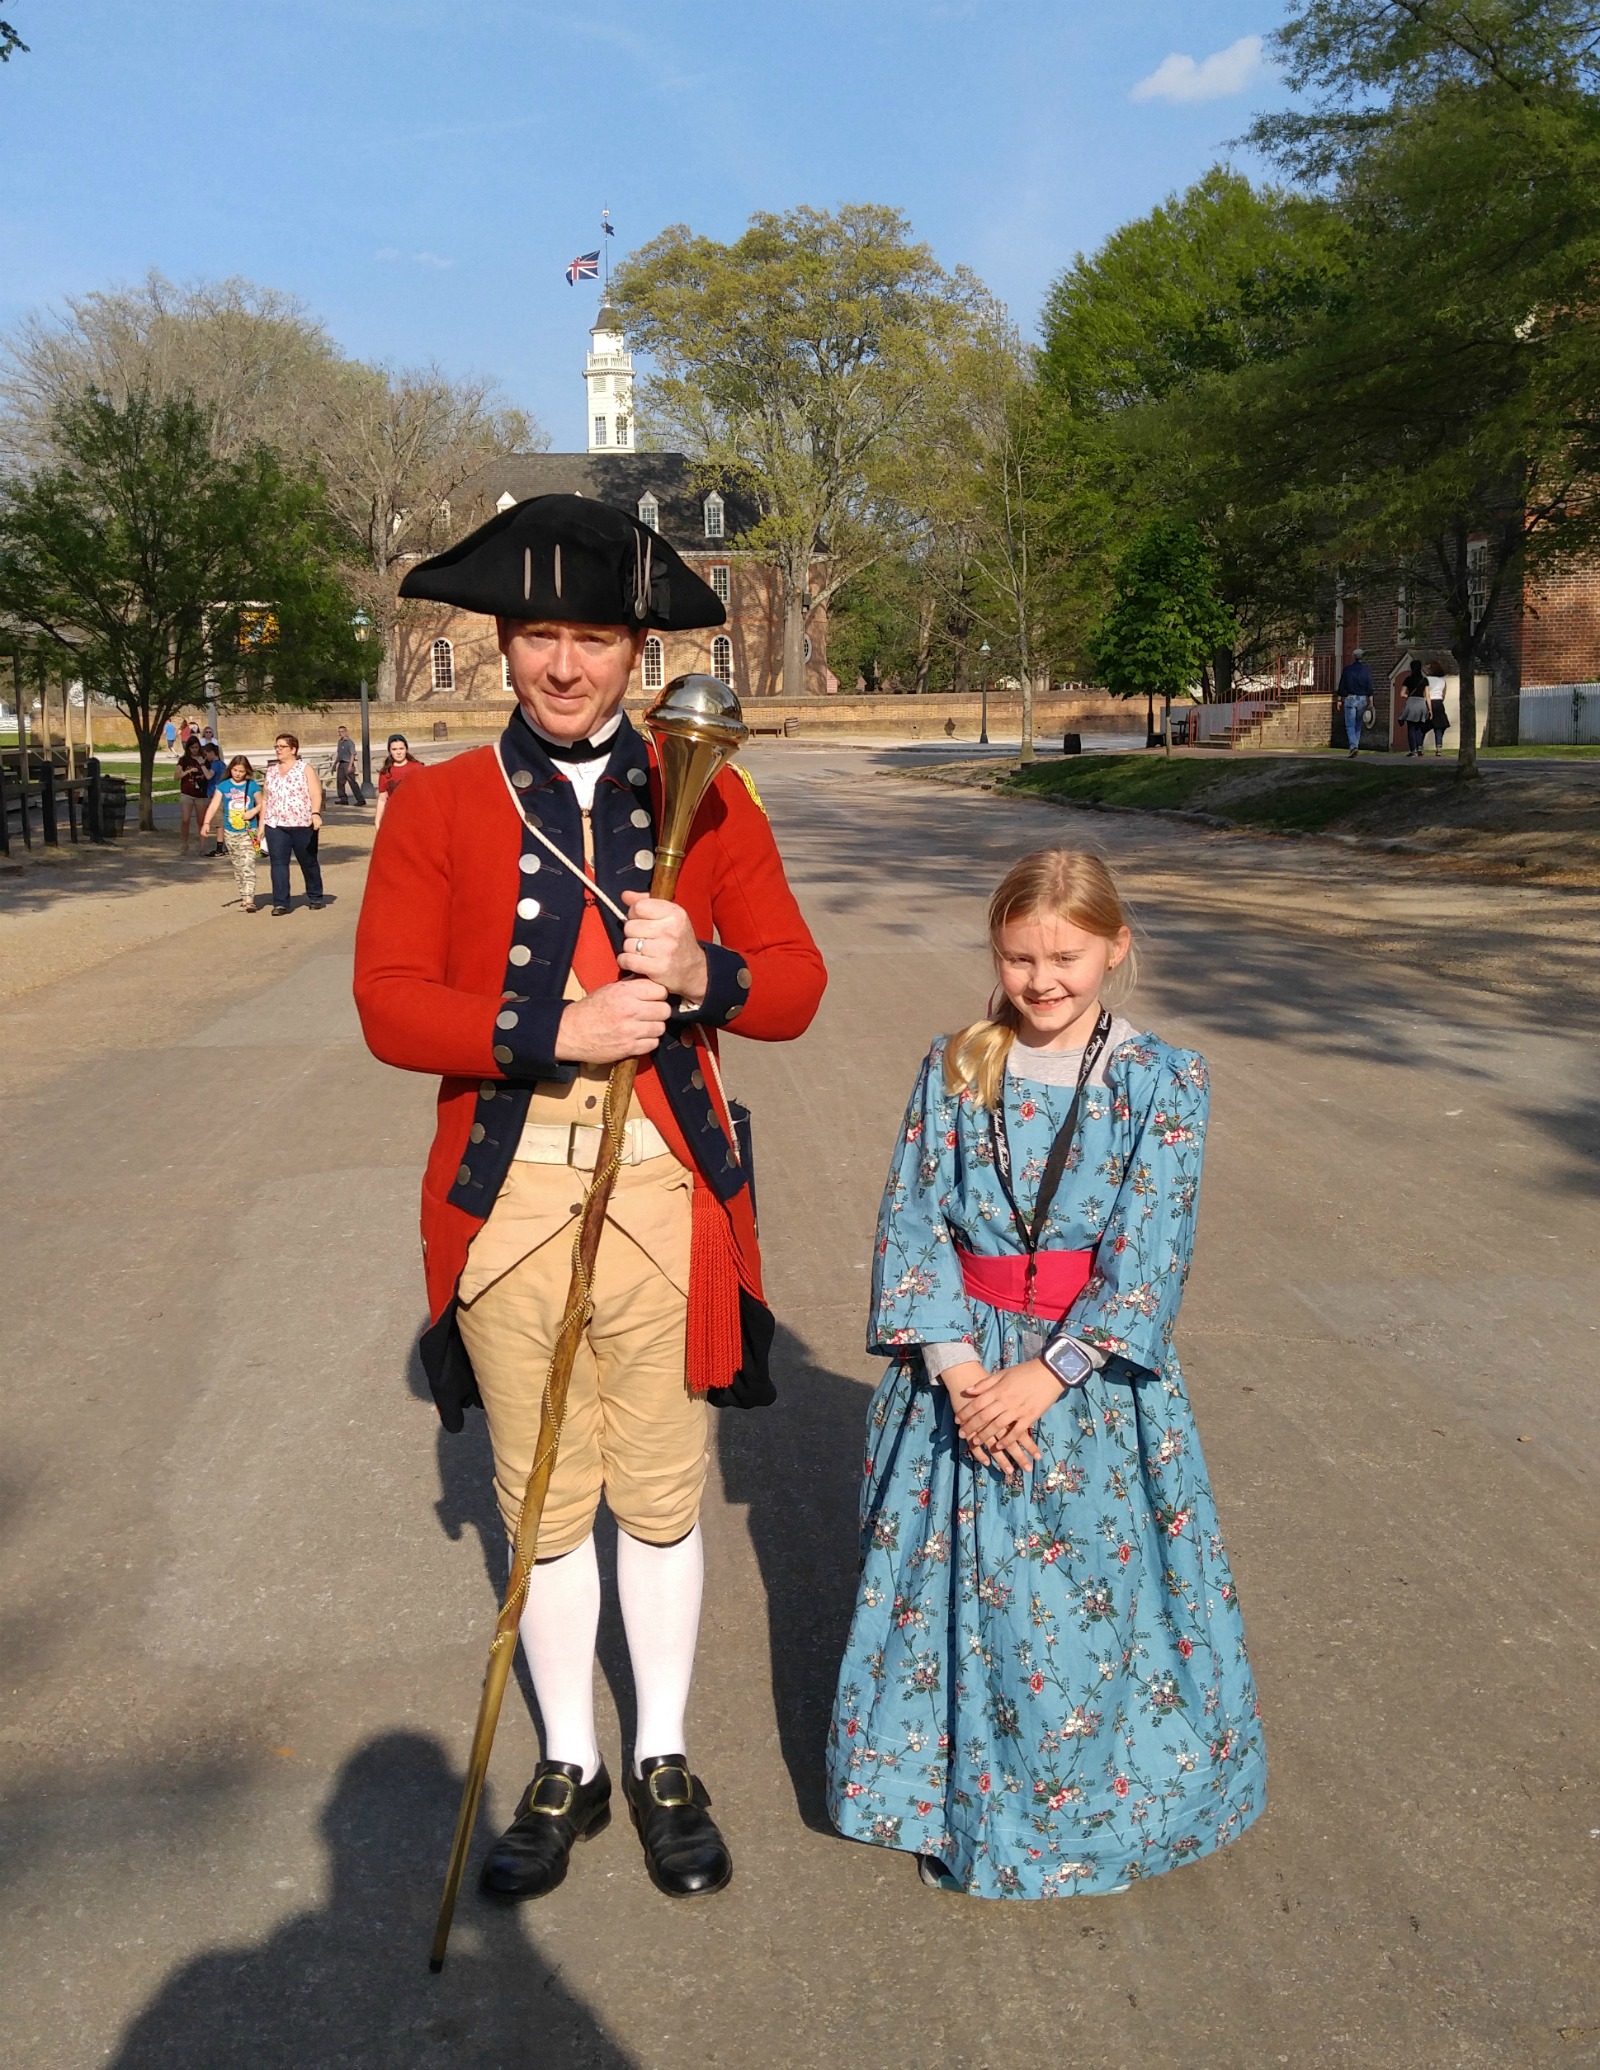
point(619, 478)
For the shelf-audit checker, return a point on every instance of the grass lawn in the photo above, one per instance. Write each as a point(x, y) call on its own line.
point(1306, 796)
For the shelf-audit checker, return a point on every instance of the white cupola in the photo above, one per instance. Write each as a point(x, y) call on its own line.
point(608, 379)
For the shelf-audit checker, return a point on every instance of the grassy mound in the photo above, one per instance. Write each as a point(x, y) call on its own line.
point(1291, 795)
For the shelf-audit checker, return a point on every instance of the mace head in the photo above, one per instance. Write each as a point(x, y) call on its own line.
point(699, 708)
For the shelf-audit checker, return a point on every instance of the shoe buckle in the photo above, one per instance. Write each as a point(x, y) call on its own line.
point(676, 1800)
point(560, 1810)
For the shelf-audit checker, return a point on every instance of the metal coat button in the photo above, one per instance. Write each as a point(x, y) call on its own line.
point(637, 776)
point(733, 1013)
point(527, 864)
point(742, 980)
point(478, 1132)
point(521, 955)
point(486, 1091)
point(711, 1118)
point(464, 1176)
point(644, 859)
point(502, 1055)
point(641, 818)
point(505, 1020)
point(521, 778)
point(528, 909)
point(697, 1081)
point(589, 1102)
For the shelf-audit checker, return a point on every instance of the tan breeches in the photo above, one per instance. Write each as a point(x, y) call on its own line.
point(632, 1428)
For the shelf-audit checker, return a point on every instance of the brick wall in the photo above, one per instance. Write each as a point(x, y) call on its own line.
point(1561, 629)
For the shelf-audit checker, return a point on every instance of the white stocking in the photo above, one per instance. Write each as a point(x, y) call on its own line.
point(659, 1588)
point(559, 1623)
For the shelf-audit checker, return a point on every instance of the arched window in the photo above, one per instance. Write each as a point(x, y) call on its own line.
point(650, 511)
point(655, 665)
point(713, 516)
point(719, 582)
point(444, 665)
point(722, 659)
point(808, 646)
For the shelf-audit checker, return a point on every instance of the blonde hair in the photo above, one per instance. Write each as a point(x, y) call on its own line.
point(1071, 885)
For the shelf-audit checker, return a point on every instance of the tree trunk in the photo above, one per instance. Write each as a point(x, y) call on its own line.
point(388, 673)
point(1505, 695)
point(794, 639)
point(1222, 674)
point(147, 738)
point(924, 644)
point(1466, 658)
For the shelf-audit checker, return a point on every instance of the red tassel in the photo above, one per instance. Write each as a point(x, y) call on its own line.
point(714, 1343)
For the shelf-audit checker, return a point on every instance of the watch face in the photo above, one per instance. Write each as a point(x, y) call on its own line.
point(1068, 1362)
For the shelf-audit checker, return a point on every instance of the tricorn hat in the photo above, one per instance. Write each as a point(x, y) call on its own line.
point(570, 558)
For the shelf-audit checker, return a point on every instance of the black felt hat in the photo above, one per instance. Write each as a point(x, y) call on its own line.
point(570, 558)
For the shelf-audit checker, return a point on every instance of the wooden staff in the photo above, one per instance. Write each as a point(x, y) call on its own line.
point(696, 726)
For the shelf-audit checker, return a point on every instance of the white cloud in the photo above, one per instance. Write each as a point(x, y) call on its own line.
point(391, 253)
point(1180, 78)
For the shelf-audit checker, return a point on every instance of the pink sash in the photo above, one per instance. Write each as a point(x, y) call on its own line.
point(1003, 1282)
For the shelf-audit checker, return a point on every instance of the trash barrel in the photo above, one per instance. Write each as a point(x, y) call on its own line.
point(441, 729)
point(1072, 743)
point(113, 807)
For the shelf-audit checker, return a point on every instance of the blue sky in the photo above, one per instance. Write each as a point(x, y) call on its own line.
point(420, 175)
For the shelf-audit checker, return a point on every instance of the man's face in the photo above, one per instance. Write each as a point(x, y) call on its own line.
point(569, 679)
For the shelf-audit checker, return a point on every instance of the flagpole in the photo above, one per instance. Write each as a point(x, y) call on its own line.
point(605, 252)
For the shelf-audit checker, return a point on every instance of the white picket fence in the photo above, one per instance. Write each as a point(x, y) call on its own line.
point(1566, 715)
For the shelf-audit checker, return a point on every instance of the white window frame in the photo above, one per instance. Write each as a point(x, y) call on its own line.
point(599, 430)
point(721, 582)
point(623, 427)
point(715, 516)
point(722, 659)
point(505, 677)
point(1477, 580)
point(653, 667)
point(442, 650)
point(808, 646)
point(650, 511)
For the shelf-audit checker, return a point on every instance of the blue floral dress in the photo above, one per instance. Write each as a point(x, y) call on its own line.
point(1045, 1684)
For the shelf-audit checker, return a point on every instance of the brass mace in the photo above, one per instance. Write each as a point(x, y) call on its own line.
point(696, 725)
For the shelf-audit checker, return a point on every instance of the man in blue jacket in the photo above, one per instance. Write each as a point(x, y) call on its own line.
point(1355, 689)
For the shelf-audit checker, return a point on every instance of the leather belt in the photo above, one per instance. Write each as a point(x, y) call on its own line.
point(560, 1142)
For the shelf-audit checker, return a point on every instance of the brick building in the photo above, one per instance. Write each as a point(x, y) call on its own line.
point(451, 656)
point(1538, 636)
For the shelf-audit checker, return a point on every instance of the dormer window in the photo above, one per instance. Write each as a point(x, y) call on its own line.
point(714, 521)
point(505, 501)
point(650, 513)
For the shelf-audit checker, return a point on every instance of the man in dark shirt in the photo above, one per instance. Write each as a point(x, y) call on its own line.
point(344, 767)
point(1355, 692)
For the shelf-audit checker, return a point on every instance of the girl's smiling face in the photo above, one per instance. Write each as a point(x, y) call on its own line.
point(1052, 972)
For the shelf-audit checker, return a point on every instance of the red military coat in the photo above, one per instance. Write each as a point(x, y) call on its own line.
point(438, 923)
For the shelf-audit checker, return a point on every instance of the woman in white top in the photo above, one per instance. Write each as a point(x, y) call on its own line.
point(291, 813)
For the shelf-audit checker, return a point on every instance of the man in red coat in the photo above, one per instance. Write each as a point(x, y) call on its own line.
point(508, 942)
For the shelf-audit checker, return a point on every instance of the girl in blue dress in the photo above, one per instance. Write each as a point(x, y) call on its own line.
point(1045, 1691)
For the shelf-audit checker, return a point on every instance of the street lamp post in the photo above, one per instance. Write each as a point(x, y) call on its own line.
point(983, 692)
point(361, 622)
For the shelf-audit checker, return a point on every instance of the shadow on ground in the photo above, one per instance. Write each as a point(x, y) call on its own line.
point(348, 1983)
point(797, 1468)
point(136, 862)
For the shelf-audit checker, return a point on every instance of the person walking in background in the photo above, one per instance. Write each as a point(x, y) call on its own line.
point(193, 784)
point(1415, 709)
point(344, 767)
point(185, 734)
point(237, 801)
point(216, 768)
point(1355, 694)
point(169, 734)
point(292, 817)
point(397, 764)
point(1438, 717)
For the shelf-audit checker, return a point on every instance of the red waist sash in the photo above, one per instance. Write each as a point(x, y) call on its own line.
point(1060, 1278)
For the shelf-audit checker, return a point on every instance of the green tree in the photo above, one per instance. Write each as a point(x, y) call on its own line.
point(792, 361)
point(1443, 427)
point(9, 41)
point(1165, 618)
point(157, 566)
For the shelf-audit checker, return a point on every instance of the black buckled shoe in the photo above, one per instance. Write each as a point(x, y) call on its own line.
point(558, 1809)
point(684, 1852)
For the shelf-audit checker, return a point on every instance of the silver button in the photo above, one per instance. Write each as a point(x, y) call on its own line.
point(528, 909)
point(527, 864)
point(501, 1054)
point(638, 776)
point(487, 1090)
point(742, 980)
point(733, 1013)
point(505, 1020)
point(641, 818)
point(520, 955)
point(464, 1176)
point(644, 859)
point(711, 1118)
point(697, 1081)
point(478, 1132)
point(521, 779)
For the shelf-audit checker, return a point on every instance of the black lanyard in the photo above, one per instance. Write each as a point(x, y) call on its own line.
point(1054, 1165)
